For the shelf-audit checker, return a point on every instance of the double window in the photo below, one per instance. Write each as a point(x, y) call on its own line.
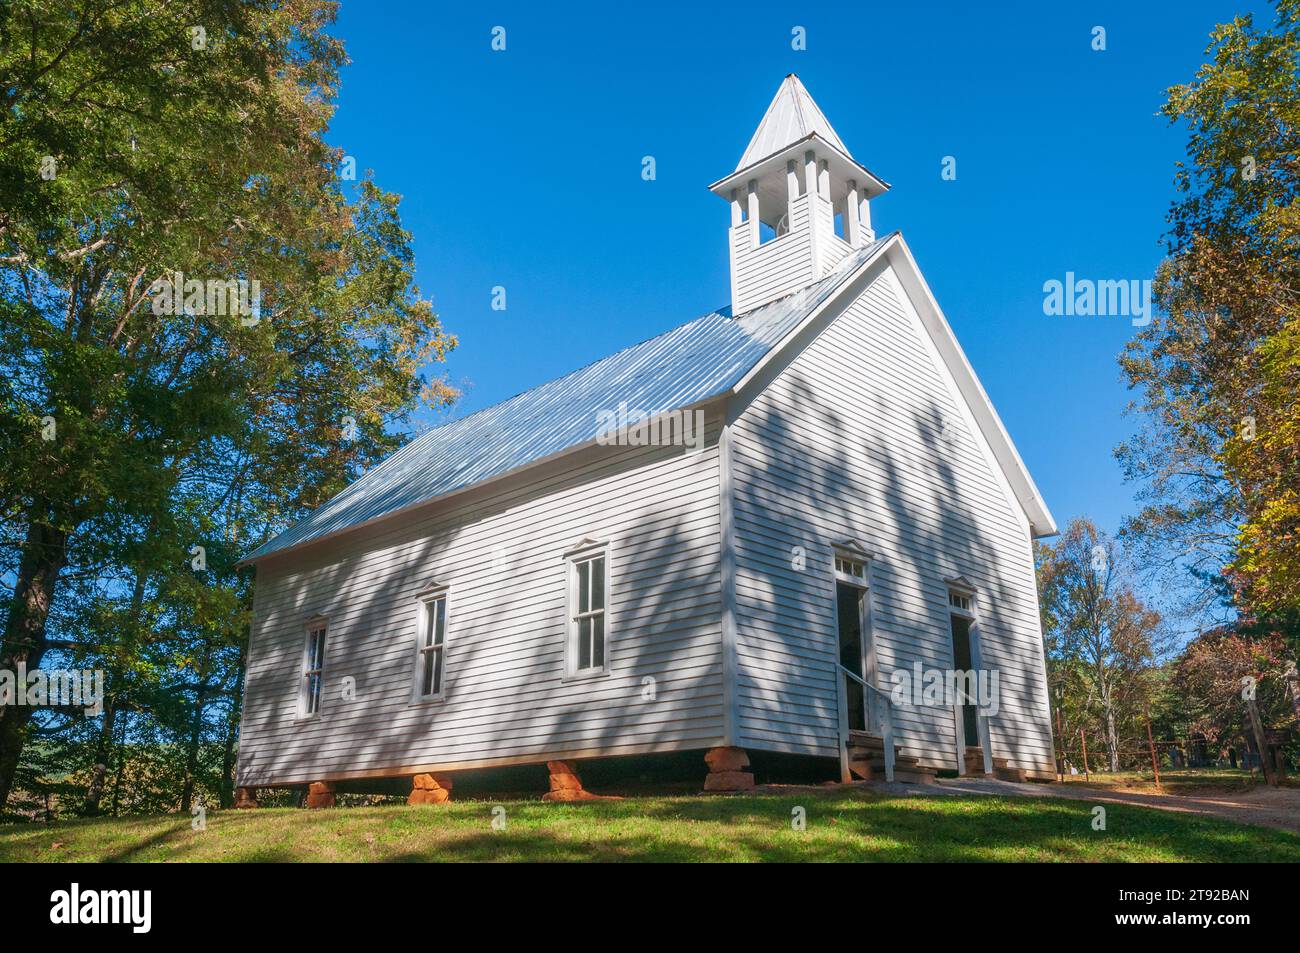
point(313, 668)
point(587, 626)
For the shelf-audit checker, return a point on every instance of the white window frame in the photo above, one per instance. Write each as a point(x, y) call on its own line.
point(310, 628)
point(848, 559)
point(572, 617)
point(427, 599)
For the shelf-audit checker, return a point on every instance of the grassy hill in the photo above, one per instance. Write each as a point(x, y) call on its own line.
point(856, 825)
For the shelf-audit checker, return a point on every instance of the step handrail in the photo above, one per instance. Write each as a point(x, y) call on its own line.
point(885, 713)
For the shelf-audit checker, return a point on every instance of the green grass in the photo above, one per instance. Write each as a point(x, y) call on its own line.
point(841, 826)
point(1181, 781)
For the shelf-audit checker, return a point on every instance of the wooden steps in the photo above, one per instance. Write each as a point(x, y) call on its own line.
point(1002, 768)
point(1003, 771)
point(867, 761)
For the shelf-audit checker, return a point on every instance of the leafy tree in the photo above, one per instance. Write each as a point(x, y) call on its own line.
point(140, 139)
point(1208, 676)
point(1100, 639)
point(1218, 373)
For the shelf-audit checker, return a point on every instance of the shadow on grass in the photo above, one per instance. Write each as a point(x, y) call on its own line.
point(840, 827)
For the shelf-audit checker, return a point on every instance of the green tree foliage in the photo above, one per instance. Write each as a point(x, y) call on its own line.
point(139, 139)
point(1218, 373)
point(1101, 641)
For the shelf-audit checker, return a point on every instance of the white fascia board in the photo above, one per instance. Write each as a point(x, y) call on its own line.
point(844, 166)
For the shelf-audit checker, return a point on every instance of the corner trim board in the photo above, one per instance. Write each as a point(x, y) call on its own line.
point(727, 569)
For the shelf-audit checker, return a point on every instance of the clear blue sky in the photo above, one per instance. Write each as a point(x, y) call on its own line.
point(523, 169)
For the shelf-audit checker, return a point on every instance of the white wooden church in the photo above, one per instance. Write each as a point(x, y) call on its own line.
point(516, 587)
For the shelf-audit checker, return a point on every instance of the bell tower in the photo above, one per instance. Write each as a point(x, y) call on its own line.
point(799, 202)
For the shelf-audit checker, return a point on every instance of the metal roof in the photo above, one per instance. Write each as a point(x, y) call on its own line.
point(791, 116)
point(687, 365)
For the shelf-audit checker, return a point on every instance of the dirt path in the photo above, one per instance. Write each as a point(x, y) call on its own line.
point(1263, 806)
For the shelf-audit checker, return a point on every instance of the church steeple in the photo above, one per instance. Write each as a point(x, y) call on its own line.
point(791, 116)
point(799, 201)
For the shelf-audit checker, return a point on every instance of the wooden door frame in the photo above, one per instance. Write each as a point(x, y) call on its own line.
point(960, 586)
point(854, 552)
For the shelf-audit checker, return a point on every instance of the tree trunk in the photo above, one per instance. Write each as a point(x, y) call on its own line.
point(1112, 738)
point(1293, 683)
point(121, 766)
point(192, 755)
point(44, 554)
point(103, 752)
point(232, 733)
point(227, 792)
point(104, 748)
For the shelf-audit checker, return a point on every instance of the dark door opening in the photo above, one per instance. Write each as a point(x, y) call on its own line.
point(849, 606)
point(961, 655)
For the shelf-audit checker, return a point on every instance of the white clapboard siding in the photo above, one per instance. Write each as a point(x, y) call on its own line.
point(506, 697)
point(848, 441)
point(781, 266)
point(775, 268)
point(833, 249)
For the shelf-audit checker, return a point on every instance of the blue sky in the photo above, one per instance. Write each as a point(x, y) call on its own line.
point(522, 169)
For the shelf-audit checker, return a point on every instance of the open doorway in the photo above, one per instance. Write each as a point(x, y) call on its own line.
point(971, 758)
point(962, 662)
point(851, 615)
point(849, 607)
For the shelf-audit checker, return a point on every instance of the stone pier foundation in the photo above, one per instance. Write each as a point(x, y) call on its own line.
point(566, 785)
point(430, 789)
point(320, 794)
point(727, 770)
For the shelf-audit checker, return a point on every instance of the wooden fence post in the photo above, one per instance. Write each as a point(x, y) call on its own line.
point(1261, 745)
point(1060, 762)
point(1155, 767)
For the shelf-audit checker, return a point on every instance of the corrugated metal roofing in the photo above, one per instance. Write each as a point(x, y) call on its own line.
point(791, 116)
point(689, 364)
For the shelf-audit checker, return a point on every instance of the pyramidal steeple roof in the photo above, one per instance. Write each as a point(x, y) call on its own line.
point(791, 116)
